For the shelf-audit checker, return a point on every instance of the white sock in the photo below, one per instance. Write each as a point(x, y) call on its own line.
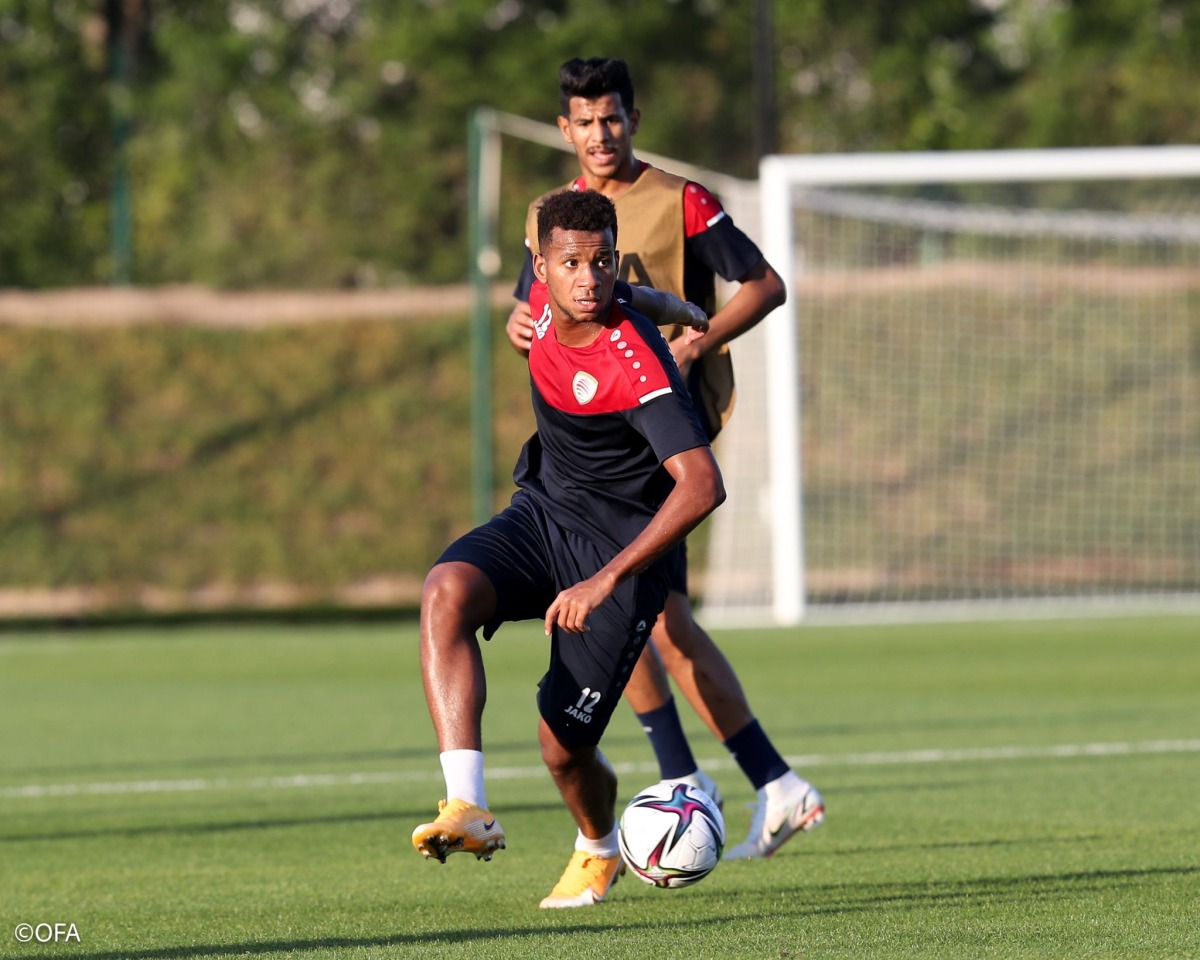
point(463, 770)
point(604, 847)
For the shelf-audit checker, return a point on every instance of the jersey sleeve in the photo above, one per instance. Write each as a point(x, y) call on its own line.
point(713, 238)
point(669, 424)
point(664, 415)
point(701, 210)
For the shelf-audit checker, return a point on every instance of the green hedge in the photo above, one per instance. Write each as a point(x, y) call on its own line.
point(165, 465)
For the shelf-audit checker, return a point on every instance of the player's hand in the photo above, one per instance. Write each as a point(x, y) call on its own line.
point(520, 328)
point(571, 607)
point(686, 352)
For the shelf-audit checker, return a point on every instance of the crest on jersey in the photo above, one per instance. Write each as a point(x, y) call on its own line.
point(542, 323)
point(584, 386)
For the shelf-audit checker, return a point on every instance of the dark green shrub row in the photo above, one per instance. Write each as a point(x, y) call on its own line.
point(227, 464)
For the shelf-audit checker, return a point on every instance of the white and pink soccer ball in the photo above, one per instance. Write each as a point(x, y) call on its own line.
point(672, 835)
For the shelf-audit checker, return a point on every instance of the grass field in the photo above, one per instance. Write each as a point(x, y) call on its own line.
point(1021, 789)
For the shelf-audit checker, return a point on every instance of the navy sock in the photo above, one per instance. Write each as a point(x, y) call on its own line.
point(756, 755)
point(669, 741)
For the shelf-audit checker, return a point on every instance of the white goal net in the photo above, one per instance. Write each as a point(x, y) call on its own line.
point(983, 390)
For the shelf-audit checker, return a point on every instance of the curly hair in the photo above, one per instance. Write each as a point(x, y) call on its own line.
point(584, 210)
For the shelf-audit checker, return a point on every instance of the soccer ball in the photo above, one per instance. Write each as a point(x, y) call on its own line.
point(672, 834)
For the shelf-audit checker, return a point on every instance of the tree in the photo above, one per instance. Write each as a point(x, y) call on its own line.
point(54, 144)
point(987, 74)
point(323, 142)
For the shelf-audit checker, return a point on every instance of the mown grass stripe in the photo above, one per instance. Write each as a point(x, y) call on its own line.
point(307, 780)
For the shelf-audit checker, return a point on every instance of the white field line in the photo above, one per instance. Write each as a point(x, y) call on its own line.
point(803, 762)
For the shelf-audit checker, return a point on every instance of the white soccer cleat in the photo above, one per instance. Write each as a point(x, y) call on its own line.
point(775, 823)
point(706, 784)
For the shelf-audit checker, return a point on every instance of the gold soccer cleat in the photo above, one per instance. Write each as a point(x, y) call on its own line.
point(460, 827)
point(585, 881)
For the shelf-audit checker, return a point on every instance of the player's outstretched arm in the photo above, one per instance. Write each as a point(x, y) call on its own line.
point(699, 490)
point(666, 309)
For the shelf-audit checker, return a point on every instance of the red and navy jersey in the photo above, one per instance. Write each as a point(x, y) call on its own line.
point(608, 415)
point(713, 246)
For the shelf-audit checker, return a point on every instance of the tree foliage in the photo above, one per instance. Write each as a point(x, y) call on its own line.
point(323, 142)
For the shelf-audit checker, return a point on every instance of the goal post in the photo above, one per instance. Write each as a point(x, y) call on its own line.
point(982, 396)
point(987, 374)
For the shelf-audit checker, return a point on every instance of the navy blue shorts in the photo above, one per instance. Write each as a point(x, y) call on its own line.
point(676, 564)
point(529, 559)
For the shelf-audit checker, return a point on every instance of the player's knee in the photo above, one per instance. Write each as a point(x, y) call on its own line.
point(457, 591)
point(559, 756)
point(445, 586)
point(556, 756)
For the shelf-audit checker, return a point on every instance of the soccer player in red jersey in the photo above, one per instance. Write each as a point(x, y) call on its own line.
point(617, 474)
point(676, 236)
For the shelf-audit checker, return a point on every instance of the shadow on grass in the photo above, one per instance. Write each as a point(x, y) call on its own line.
point(412, 940)
point(193, 765)
point(409, 817)
point(802, 850)
point(932, 894)
point(797, 902)
point(973, 844)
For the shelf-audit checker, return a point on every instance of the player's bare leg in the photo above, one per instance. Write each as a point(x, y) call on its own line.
point(586, 781)
point(649, 693)
point(457, 599)
point(589, 787)
point(706, 679)
point(697, 665)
